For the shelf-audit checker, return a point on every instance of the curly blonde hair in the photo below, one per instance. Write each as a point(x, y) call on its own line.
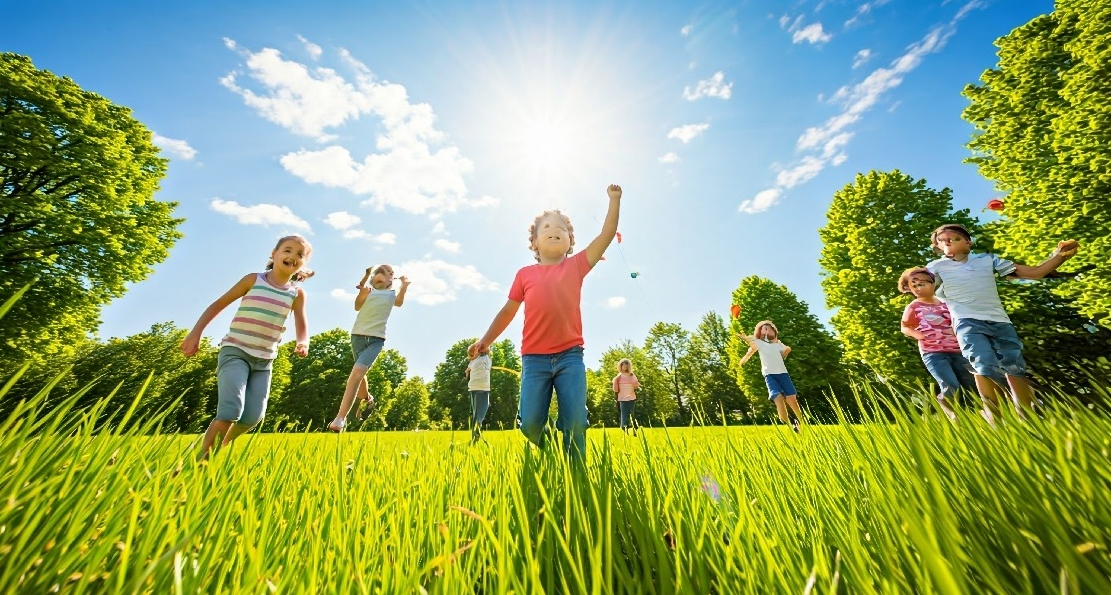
point(757, 328)
point(533, 232)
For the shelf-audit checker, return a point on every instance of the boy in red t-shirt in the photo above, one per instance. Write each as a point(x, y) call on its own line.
point(928, 320)
point(552, 336)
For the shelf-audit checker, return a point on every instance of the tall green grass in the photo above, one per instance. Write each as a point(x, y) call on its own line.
point(914, 504)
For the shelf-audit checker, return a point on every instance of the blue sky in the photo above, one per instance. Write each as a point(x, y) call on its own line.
point(429, 134)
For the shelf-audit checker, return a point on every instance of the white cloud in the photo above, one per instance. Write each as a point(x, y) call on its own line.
point(669, 157)
point(761, 201)
point(826, 142)
point(447, 246)
point(439, 228)
point(343, 294)
point(435, 281)
point(173, 146)
point(712, 87)
point(861, 57)
point(314, 50)
point(687, 132)
point(342, 220)
point(863, 10)
point(260, 214)
point(359, 234)
point(813, 34)
point(616, 302)
point(685, 30)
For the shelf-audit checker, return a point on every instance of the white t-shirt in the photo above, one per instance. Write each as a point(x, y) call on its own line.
point(371, 319)
point(970, 288)
point(770, 353)
point(479, 375)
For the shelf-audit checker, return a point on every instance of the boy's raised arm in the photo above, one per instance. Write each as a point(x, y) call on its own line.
point(610, 226)
point(1063, 252)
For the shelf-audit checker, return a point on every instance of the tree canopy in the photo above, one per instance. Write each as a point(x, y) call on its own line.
point(1043, 118)
point(77, 213)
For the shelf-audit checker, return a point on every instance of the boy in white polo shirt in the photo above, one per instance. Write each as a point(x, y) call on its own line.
point(985, 333)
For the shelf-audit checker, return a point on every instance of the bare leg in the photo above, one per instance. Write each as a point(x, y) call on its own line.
point(355, 379)
point(218, 428)
point(795, 406)
point(988, 390)
point(1023, 397)
point(234, 432)
point(782, 411)
point(946, 407)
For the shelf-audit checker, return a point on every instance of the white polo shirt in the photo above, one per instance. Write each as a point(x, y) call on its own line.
point(970, 288)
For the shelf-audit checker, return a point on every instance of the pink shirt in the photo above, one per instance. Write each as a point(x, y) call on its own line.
point(934, 321)
point(551, 294)
point(624, 385)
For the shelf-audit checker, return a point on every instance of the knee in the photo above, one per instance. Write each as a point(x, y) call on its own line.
point(250, 420)
point(533, 430)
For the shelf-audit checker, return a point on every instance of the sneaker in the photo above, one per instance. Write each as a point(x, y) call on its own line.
point(337, 425)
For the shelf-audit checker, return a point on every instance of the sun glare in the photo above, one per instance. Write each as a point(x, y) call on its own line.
point(546, 145)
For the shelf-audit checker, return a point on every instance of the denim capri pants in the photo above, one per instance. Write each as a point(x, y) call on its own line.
point(991, 347)
point(365, 349)
point(243, 384)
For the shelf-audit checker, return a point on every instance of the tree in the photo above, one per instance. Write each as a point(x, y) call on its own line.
point(408, 409)
point(877, 227)
point(385, 375)
point(1042, 118)
point(317, 381)
point(655, 402)
point(815, 363)
point(708, 364)
point(506, 386)
point(669, 343)
point(449, 394)
point(77, 180)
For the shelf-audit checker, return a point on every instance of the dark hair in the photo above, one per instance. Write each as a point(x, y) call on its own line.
point(904, 284)
point(951, 227)
point(303, 273)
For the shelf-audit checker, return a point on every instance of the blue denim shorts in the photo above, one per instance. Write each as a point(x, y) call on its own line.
point(365, 349)
point(779, 385)
point(991, 347)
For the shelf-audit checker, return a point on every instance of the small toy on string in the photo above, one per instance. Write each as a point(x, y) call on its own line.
point(618, 236)
point(995, 205)
point(735, 310)
point(634, 275)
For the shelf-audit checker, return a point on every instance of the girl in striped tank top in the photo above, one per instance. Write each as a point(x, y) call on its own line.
point(243, 370)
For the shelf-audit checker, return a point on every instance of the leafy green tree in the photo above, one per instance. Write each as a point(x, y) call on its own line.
point(815, 364)
point(316, 382)
point(1043, 118)
point(655, 401)
point(77, 180)
point(877, 227)
point(669, 343)
point(449, 391)
point(707, 362)
point(505, 386)
point(386, 374)
point(409, 408)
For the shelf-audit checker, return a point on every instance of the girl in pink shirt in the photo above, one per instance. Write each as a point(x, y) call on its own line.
point(928, 320)
point(624, 386)
point(552, 336)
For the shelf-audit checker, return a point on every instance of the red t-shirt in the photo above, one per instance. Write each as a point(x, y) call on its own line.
point(551, 294)
point(934, 321)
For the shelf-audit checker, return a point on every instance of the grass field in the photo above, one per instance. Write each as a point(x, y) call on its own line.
point(918, 505)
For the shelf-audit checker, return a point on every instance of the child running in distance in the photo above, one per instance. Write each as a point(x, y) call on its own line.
point(928, 320)
point(624, 385)
point(767, 344)
point(552, 336)
point(374, 303)
point(243, 369)
point(967, 282)
point(478, 374)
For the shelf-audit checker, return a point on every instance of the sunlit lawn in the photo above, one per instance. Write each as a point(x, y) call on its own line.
point(916, 506)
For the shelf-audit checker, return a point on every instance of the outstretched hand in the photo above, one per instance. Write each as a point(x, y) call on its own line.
point(1067, 249)
point(477, 348)
point(614, 191)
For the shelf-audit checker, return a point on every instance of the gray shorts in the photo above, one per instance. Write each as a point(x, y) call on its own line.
point(365, 349)
point(243, 383)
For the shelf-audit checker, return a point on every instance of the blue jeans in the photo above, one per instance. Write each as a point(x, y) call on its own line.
point(951, 372)
point(566, 373)
point(626, 414)
point(243, 383)
point(365, 349)
point(993, 348)
point(480, 401)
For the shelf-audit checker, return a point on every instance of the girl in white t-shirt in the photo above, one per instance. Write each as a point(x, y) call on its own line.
point(374, 303)
point(624, 386)
point(478, 374)
point(767, 344)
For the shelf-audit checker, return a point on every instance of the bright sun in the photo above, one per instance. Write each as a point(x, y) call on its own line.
point(546, 145)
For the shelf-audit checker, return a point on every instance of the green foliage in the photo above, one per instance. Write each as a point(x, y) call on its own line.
point(1043, 119)
point(877, 227)
point(815, 363)
point(317, 381)
point(707, 362)
point(669, 344)
point(409, 408)
point(77, 179)
point(385, 375)
point(655, 402)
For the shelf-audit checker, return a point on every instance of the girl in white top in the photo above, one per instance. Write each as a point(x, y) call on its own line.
point(478, 374)
point(767, 344)
point(374, 303)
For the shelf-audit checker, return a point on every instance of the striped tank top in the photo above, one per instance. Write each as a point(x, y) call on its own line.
point(259, 322)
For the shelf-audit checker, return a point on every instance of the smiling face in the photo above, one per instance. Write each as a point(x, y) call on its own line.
point(289, 256)
point(551, 237)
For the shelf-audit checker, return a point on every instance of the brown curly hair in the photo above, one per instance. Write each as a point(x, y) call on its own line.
point(904, 284)
point(533, 232)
